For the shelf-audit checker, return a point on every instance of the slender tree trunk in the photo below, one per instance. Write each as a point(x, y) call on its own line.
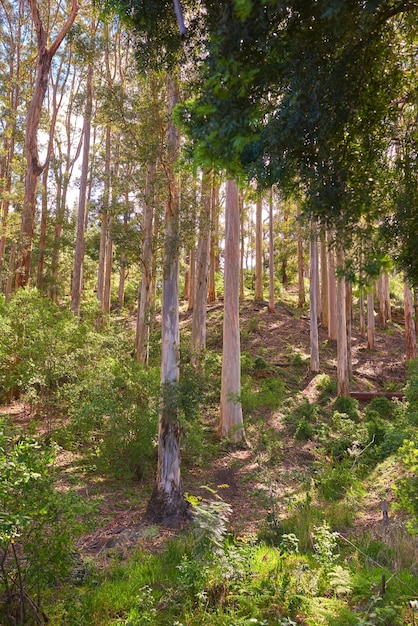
point(313, 295)
point(231, 409)
point(410, 335)
point(167, 504)
point(349, 317)
point(370, 320)
point(242, 245)
point(107, 291)
point(202, 268)
point(271, 254)
point(34, 168)
point(142, 322)
point(123, 260)
point(192, 280)
point(214, 239)
point(332, 298)
point(259, 295)
point(82, 201)
point(301, 268)
point(104, 217)
point(342, 358)
point(324, 279)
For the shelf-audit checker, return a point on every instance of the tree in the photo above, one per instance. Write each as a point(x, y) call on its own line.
point(167, 503)
point(34, 168)
point(231, 409)
point(313, 295)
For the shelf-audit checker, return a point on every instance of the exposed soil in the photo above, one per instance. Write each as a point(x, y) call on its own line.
point(282, 339)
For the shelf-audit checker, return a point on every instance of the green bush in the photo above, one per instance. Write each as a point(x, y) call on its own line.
point(406, 488)
point(38, 525)
point(347, 405)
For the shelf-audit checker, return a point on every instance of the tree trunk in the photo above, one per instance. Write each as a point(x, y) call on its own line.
point(167, 504)
point(271, 255)
point(324, 279)
point(370, 320)
point(104, 218)
point(410, 336)
point(34, 168)
point(192, 280)
point(301, 268)
point(202, 268)
point(259, 295)
point(231, 409)
point(343, 382)
point(349, 317)
point(332, 298)
point(313, 294)
point(242, 245)
point(144, 301)
point(82, 200)
point(214, 240)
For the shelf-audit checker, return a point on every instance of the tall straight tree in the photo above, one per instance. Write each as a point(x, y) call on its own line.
point(142, 320)
point(202, 266)
point(313, 297)
point(342, 355)
point(34, 168)
point(76, 286)
point(271, 254)
point(259, 249)
point(231, 410)
point(167, 503)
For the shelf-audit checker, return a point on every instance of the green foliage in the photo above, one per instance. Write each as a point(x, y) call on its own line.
point(38, 525)
point(334, 482)
point(38, 346)
point(407, 487)
point(347, 405)
point(326, 385)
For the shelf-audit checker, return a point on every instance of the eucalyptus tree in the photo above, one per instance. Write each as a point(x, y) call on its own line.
point(50, 31)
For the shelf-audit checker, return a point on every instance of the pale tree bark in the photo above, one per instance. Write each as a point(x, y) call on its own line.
point(34, 168)
point(384, 313)
point(142, 320)
point(63, 167)
point(272, 305)
point(104, 220)
point(202, 267)
point(370, 320)
point(313, 295)
point(76, 287)
point(123, 264)
point(259, 295)
point(191, 279)
point(324, 278)
point(214, 242)
point(343, 381)
point(231, 410)
point(108, 270)
point(361, 303)
point(301, 264)
point(59, 82)
point(332, 298)
point(167, 504)
point(241, 230)
point(410, 335)
point(349, 318)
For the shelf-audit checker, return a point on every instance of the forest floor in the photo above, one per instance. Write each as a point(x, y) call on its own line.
point(241, 478)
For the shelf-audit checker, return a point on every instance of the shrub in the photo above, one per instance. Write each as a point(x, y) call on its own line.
point(38, 525)
point(347, 405)
point(406, 488)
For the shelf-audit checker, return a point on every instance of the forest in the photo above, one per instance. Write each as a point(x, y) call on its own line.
point(208, 313)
